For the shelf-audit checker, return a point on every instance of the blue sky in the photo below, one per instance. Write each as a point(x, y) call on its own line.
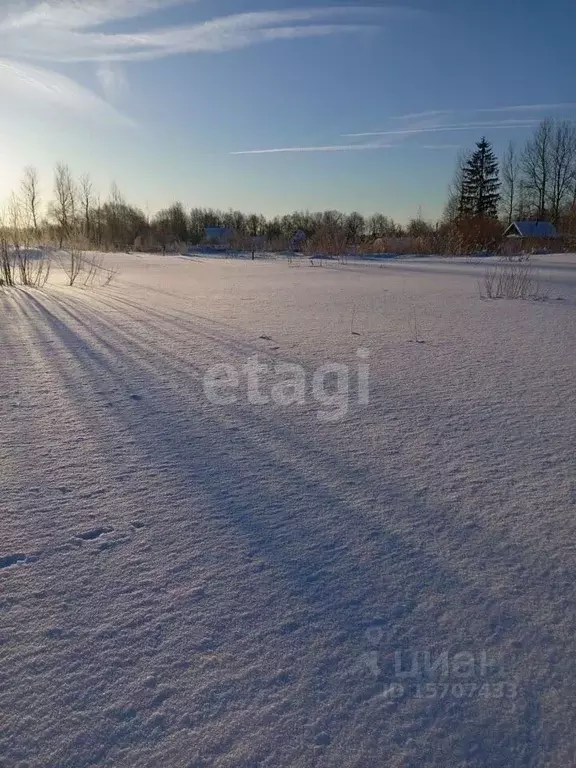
point(367, 103)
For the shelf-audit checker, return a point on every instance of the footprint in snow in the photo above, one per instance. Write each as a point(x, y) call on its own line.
point(9, 560)
point(93, 534)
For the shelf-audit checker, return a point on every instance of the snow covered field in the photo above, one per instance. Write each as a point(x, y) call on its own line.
point(186, 583)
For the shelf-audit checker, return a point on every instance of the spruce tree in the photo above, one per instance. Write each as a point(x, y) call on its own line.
point(480, 183)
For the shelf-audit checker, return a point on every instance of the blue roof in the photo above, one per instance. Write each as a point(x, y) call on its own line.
point(529, 228)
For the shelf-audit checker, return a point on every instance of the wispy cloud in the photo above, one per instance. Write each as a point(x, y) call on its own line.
point(424, 115)
point(421, 124)
point(343, 148)
point(531, 108)
point(26, 86)
point(67, 31)
point(328, 148)
point(424, 123)
point(511, 109)
point(46, 34)
point(76, 14)
point(452, 128)
point(112, 81)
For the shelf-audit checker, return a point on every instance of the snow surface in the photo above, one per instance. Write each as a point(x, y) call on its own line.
point(190, 584)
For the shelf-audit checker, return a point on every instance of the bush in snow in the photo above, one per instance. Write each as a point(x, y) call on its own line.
point(72, 262)
point(510, 280)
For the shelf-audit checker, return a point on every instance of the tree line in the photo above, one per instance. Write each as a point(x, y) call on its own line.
point(537, 180)
point(76, 214)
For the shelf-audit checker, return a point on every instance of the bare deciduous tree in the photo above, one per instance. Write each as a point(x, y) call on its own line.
point(31, 195)
point(115, 209)
point(355, 227)
point(536, 166)
point(522, 200)
point(549, 168)
point(379, 225)
point(562, 167)
point(86, 192)
point(64, 207)
point(98, 222)
point(510, 170)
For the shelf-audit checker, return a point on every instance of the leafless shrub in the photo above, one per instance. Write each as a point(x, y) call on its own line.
point(23, 265)
point(510, 280)
point(20, 262)
point(6, 263)
point(43, 272)
point(10, 240)
point(30, 268)
point(72, 262)
point(93, 267)
point(96, 272)
point(109, 275)
point(33, 267)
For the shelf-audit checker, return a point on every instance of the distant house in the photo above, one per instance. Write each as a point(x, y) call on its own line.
point(530, 235)
point(219, 237)
point(533, 229)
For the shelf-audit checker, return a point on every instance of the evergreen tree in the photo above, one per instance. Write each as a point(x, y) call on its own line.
point(480, 183)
